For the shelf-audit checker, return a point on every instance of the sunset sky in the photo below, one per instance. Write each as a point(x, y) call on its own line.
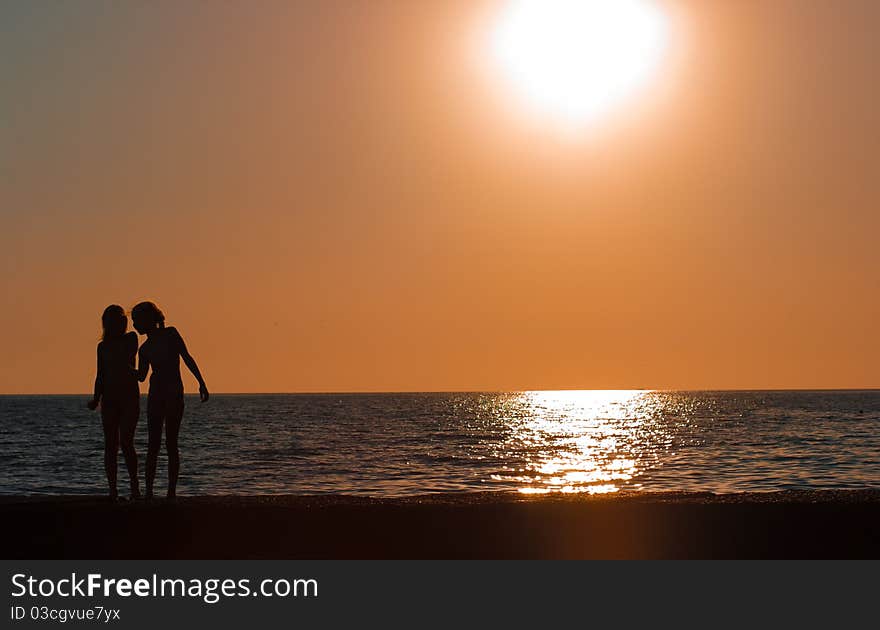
point(347, 196)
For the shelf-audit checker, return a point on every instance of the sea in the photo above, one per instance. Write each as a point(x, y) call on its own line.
point(409, 444)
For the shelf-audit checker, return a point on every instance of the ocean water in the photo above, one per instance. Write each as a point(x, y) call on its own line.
point(408, 444)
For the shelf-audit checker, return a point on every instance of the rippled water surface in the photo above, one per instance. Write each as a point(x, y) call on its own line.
point(403, 444)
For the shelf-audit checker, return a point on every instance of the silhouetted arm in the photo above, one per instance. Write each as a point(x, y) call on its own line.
point(191, 364)
point(132, 340)
point(99, 383)
point(143, 365)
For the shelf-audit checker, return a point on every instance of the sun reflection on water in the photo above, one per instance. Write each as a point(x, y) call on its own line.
point(579, 441)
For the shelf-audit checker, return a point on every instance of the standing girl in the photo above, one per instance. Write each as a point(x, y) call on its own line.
point(116, 390)
point(162, 351)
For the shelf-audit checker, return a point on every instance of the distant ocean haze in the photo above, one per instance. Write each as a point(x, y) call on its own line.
point(409, 444)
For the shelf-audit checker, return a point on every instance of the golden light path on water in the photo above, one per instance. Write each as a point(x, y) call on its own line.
point(598, 439)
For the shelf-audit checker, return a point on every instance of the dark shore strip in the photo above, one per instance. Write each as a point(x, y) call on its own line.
point(488, 525)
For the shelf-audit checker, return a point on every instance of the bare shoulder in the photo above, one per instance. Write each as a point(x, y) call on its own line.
point(173, 333)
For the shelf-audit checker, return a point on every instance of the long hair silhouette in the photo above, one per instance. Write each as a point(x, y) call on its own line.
point(114, 323)
point(149, 315)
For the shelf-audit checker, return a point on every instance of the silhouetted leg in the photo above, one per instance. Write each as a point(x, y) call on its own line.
point(155, 417)
point(174, 417)
point(110, 420)
point(126, 438)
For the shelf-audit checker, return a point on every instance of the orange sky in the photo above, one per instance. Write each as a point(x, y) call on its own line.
point(334, 196)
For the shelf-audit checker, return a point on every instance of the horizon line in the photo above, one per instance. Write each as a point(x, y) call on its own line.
point(487, 391)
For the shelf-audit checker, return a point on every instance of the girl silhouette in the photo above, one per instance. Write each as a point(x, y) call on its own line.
point(116, 390)
point(162, 351)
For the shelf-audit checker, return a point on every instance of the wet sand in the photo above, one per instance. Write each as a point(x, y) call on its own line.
point(491, 525)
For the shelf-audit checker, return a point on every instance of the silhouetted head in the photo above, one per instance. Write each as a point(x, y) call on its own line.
point(114, 322)
point(147, 317)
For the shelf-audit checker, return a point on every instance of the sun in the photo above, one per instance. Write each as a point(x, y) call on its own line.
point(576, 59)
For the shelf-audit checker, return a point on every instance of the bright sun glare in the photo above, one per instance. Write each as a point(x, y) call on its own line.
point(575, 59)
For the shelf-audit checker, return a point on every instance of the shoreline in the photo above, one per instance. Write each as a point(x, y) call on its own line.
point(853, 495)
point(792, 524)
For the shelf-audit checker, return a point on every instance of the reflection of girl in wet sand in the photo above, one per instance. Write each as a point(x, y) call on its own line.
point(162, 352)
point(116, 390)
